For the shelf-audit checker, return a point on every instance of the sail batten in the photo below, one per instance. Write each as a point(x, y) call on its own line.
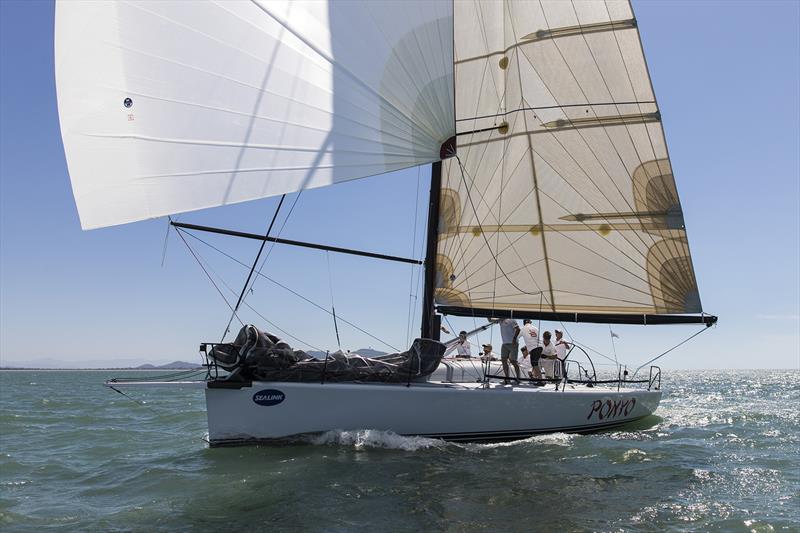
point(562, 198)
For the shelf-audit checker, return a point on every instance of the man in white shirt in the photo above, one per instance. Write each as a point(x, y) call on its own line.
point(461, 347)
point(509, 333)
point(531, 337)
point(548, 355)
point(562, 347)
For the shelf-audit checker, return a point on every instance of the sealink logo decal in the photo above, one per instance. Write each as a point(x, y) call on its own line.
point(269, 397)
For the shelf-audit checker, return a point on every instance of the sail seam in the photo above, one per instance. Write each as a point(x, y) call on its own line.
point(535, 179)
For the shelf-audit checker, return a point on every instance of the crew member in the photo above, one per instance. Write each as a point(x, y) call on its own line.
point(562, 347)
point(531, 337)
point(461, 347)
point(509, 333)
point(548, 356)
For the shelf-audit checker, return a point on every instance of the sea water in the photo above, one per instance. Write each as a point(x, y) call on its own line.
point(722, 453)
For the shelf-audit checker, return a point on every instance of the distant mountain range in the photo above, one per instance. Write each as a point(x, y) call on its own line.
point(122, 364)
point(174, 364)
point(364, 352)
point(54, 364)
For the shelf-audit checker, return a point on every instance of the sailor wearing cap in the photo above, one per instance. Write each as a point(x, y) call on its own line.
point(461, 346)
point(487, 352)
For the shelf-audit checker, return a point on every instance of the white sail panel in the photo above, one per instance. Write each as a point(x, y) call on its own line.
point(169, 106)
point(563, 199)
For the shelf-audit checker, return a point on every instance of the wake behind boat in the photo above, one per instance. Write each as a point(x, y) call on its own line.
point(552, 195)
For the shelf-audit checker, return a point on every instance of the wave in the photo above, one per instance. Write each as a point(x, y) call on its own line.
point(554, 439)
point(373, 438)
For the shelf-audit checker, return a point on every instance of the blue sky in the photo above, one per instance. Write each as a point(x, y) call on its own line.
point(726, 75)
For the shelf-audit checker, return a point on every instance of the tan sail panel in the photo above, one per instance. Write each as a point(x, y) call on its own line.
point(562, 198)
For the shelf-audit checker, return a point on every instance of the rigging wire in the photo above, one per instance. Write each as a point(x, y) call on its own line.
point(180, 375)
point(333, 307)
point(412, 299)
point(280, 232)
point(252, 269)
point(196, 258)
point(315, 304)
point(131, 398)
point(254, 310)
point(584, 346)
point(665, 353)
point(166, 240)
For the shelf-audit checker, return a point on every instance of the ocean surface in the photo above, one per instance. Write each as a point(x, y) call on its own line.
point(722, 454)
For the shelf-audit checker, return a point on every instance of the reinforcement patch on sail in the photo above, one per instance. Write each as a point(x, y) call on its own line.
point(173, 106)
point(562, 197)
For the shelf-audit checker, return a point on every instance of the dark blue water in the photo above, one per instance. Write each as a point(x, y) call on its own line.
point(722, 455)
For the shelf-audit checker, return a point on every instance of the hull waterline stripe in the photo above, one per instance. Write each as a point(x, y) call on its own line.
point(452, 437)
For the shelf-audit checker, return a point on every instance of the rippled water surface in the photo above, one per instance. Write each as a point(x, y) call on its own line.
point(722, 455)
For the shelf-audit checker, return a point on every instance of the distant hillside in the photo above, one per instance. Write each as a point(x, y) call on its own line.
point(168, 366)
point(369, 352)
point(364, 352)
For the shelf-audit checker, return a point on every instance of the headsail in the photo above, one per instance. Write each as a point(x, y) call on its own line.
point(562, 199)
point(171, 106)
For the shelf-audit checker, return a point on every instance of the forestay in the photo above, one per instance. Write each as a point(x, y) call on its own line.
point(565, 201)
point(173, 106)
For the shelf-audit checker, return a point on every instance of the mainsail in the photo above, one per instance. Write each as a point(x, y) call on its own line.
point(172, 106)
point(561, 199)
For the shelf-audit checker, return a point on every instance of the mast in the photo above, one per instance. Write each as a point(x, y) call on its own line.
point(430, 320)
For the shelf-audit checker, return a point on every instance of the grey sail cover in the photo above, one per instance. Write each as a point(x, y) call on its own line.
point(562, 197)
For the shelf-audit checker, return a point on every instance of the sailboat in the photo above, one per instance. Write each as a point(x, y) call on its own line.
point(552, 195)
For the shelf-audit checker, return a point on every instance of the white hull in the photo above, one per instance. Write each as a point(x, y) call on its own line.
point(451, 411)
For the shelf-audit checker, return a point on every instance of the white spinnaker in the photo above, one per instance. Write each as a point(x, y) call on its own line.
point(567, 201)
point(237, 100)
